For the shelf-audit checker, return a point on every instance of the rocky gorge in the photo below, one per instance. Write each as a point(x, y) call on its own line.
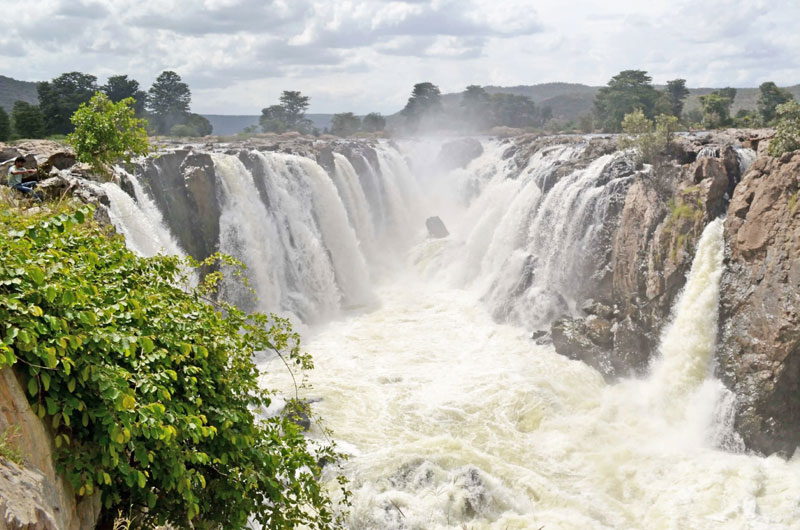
point(610, 309)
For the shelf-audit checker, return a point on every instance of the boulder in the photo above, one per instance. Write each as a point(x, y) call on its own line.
point(585, 340)
point(436, 228)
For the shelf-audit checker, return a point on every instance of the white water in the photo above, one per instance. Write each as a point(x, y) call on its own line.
point(140, 220)
point(456, 421)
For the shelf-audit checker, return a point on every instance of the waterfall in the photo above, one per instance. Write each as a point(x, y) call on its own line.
point(687, 344)
point(530, 238)
point(452, 416)
point(140, 220)
point(746, 158)
point(358, 211)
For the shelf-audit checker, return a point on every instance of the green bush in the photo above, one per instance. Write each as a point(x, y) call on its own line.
point(182, 130)
point(151, 390)
point(648, 139)
point(107, 132)
point(787, 136)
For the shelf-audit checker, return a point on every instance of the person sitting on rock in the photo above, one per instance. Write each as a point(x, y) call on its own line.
point(15, 174)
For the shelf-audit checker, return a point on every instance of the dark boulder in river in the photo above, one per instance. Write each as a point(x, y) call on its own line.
point(436, 228)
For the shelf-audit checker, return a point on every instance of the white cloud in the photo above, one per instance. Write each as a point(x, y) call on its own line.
point(364, 55)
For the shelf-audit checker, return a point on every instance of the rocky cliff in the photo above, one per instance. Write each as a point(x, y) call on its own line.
point(648, 255)
point(759, 349)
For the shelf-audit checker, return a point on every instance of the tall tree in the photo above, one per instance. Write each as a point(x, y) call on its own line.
point(426, 99)
point(768, 100)
point(199, 124)
point(345, 124)
point(627, 91)
point(61, 97)
point(168, 101)
point(27, 120)
point(119, 87)
point(717, 107)
point(5, 125)
point(295, 106)
point(373, 122)
point(512, 110)
point(475, 104)
point(273, 119)
point(677, 92)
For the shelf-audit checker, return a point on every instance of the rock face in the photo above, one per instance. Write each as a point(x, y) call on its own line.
point(436, 228)
point(33, 496)
point(183, 184)
point(759, 350)
point(642, 263)
point(459, 153)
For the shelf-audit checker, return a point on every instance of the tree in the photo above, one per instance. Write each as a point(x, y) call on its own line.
point(182, 130)
point(119, 87)
point(627, 91)
point(273, 119)
point(717, 107)
point(61, 97)
point(512, 110)
point(107, 132)
point(677, 92)
point(373, 122)
point(168, 101)
point(746, 118)
point(295, 105)
point(27, 121)
point(199, 124)
point(475, 103)
point(345, 124)
point(787, 135)
point(5, 125)
point(426, 99)
point(768, 100)
point(647, 138)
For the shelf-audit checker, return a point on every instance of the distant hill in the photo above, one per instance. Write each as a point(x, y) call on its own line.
point(12, 90)
point(569, 101)
point(229, 124)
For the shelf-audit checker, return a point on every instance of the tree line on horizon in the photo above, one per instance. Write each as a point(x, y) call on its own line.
point(625, 93)
point(165, 106)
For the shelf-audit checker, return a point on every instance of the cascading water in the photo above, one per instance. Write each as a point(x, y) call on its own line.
point(140, 220)
point(454, 420)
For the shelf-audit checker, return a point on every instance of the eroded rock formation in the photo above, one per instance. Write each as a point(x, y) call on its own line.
point(759, 350)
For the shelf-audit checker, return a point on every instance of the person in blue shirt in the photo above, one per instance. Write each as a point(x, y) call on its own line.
point(15, 174)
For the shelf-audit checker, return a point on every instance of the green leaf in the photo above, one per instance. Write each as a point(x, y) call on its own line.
point(37, 275)
point(33, 386)
point(146, 344)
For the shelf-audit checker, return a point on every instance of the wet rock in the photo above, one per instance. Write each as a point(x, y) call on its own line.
point(436, 228)
point(592, 307)
point(576, 338)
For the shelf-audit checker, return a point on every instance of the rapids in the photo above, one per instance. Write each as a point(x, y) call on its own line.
point(425, 371)
point(455, 421)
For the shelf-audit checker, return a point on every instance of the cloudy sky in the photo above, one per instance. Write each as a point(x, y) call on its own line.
point(365, 55)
